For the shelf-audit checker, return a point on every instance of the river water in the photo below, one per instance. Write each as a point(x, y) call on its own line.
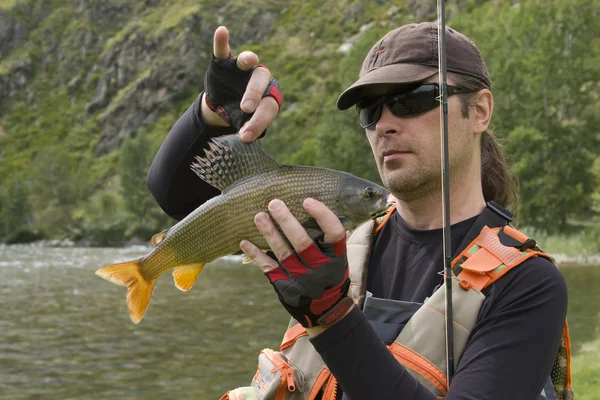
point(66, 334)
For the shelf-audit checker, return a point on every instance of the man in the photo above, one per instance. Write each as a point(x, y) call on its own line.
point(510, 350)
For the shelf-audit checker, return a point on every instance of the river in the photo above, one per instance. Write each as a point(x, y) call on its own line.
point(65, 333)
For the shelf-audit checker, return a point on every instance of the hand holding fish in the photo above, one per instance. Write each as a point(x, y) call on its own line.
point(238, 91)
point(311, 280)
point(249, 179)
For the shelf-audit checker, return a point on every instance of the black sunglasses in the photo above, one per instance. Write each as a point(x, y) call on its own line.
point(402, 102)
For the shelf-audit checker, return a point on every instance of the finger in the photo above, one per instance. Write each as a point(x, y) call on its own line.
point(246, 60)
point(290, 226)
point(329, 222)
point(258, 83)
point(221, 48)
point(264, 262)
point(274, 239)
point(265, 113)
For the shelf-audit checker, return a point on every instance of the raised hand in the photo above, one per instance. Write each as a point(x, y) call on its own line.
point(311, 279)
point(238, 91)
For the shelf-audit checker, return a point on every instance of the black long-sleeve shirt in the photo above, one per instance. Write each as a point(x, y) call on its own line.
point(509, 353)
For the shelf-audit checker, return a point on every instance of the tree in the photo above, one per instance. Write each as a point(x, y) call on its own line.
point(15, 211)
point(134, 161)
point(543, 59)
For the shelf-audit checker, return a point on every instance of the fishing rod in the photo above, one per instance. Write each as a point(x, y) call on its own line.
point(443, 98)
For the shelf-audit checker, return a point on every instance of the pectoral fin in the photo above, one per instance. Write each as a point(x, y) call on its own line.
point(185, 276)
point(156, 239)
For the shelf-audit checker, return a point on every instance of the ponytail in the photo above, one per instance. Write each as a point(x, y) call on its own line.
point(497, 180)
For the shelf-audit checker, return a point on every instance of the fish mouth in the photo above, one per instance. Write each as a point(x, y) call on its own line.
point(377, 214)
point(390, 201)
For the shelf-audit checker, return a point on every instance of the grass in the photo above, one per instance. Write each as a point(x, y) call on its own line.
point(175, 15)
point(585, 370)
point(19, 55)
point(580, 243)
point(7, 4)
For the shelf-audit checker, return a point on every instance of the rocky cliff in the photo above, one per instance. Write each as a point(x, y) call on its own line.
point(79, 76)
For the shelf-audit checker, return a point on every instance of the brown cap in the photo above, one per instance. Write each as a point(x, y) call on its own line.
point(410, 54)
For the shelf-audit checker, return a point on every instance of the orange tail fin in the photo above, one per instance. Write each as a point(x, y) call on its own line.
point(139, 289)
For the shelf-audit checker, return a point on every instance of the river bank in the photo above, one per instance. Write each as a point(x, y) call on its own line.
point(561, 259)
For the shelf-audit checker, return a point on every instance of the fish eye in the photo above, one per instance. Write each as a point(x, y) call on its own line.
point(370, 192)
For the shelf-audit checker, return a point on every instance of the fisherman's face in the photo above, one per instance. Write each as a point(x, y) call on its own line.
point(407, 150)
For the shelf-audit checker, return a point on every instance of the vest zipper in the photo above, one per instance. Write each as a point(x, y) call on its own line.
point(287, 374)
point(330, 392)
point(320, 382)
point(420, 365)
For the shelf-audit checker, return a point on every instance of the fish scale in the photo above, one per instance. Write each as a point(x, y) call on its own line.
point(249, 179)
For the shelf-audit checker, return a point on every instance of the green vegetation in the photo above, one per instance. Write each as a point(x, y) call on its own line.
point(7, 4)
point(546, 101)
point(543, 57)
point(585, 369)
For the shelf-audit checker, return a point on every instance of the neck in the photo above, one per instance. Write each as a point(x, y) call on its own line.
point(425, 212)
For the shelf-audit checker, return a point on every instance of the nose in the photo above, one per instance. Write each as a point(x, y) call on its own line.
point(388, 123)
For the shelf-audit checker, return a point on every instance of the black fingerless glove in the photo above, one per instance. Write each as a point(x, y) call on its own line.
point(224, 86)
point(313, 284)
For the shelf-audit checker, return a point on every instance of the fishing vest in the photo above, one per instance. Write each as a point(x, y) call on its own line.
point(297, 372)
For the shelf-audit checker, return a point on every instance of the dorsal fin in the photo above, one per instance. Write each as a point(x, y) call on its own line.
point(229, 159)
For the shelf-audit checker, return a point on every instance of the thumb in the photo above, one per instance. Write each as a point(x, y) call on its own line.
point(221, 49)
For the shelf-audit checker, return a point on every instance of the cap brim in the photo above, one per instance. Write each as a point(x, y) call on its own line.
point(389, 74)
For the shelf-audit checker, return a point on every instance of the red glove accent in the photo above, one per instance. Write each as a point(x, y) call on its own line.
point(313, 285)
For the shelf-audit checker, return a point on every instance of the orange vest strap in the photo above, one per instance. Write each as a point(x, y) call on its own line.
point(388, 214)
point(420, 365)
point(486, 259)
point(231, 395)
point(568, 355)
point(291, 335)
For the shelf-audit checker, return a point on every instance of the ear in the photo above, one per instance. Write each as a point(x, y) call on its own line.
point(481, 113)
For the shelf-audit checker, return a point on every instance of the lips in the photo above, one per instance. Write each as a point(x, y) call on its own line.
point(393, 154)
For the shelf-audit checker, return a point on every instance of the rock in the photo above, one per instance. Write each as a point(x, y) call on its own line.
point(12, 33)
point(135, 72)
point(138, 86)
point(73, 84)
point(393, 10)
point(253, 26)
point(423, 10)
point(353, 12)
point(13, 81)
point(347, 45)
point(100, 99)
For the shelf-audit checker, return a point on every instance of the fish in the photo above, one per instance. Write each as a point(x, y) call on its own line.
point(248, 178)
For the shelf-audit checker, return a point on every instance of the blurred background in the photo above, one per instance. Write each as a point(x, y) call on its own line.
point(90, 88)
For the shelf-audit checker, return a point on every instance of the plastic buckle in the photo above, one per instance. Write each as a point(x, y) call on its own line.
point(528, 244)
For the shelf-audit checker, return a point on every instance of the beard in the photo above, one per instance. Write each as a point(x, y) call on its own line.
point(425, 179)
point(413, 184)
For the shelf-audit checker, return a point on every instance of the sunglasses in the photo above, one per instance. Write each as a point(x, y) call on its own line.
point(402, 103)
